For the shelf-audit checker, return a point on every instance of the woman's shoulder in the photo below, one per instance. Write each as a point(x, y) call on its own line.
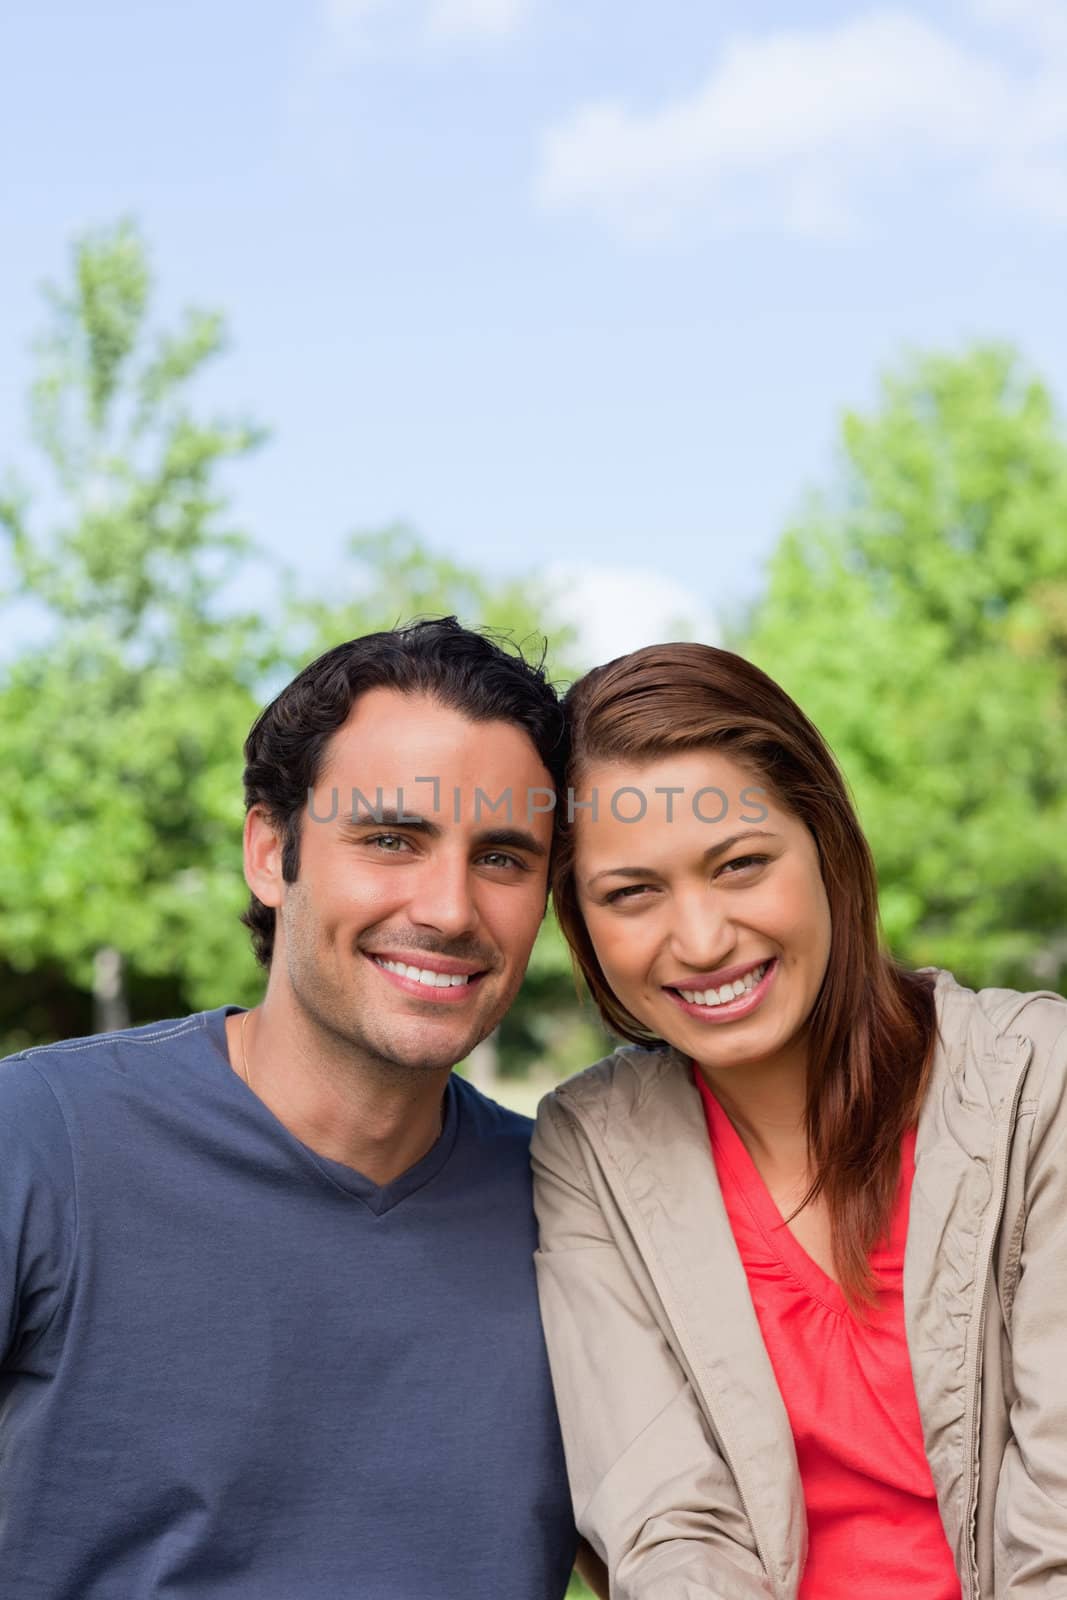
point(1037, 1014)
point(987, 1032)
point(609, 1111)
point(617, 1084)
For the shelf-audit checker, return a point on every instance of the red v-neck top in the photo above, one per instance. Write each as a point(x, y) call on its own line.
point(873, 1525)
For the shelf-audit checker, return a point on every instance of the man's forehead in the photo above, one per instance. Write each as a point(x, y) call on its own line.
point(409, 756)
point(400, 731)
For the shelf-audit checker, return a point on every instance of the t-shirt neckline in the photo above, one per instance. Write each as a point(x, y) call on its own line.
point(378, 1198)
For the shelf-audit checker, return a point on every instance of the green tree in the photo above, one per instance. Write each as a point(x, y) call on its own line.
point(919, 616)
point(120, 729)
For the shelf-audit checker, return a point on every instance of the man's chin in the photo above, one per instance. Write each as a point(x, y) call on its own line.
point(424, 1050)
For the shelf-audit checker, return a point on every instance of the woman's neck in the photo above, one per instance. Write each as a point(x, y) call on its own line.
point(767, 1104)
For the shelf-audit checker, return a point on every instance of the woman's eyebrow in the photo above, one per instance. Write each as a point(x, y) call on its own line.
point(710, 854)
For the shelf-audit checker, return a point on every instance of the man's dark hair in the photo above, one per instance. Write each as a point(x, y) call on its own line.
point(470, 672)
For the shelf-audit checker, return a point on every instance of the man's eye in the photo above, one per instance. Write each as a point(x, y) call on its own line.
point(501, 858)
point(391, 843)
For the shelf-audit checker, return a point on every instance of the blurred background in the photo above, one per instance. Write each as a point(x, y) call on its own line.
point(597, 324)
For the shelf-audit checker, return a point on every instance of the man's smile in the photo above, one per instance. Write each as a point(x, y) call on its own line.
point(434, 978)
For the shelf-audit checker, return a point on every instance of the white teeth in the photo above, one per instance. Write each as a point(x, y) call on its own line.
point(729, 991)
point(424, 975)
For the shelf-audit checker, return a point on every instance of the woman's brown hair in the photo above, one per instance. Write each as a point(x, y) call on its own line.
point(872, 1029)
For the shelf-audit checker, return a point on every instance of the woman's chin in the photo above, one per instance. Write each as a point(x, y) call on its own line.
point(713, 1045)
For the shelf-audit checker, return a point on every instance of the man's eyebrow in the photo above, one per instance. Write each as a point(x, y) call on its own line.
point(711, 854)
point(388, 817)
point(511, 838)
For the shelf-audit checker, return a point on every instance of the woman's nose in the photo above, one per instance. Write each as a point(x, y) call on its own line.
point(701, 936)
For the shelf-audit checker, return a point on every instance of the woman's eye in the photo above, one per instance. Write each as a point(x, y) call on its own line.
point(632, 892)
point(745, 861)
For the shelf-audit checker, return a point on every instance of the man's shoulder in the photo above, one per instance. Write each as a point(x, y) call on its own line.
point(491, 1122)
point(72, 1060)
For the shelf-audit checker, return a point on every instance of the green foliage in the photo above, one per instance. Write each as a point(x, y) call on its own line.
point(138, 546)
point(122, 733)
point(920, 619)
point(124, 827)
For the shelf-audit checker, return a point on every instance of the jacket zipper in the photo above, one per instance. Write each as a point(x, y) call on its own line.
point(974, 1382)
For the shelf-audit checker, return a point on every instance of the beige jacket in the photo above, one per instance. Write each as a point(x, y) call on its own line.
point(681, 1458)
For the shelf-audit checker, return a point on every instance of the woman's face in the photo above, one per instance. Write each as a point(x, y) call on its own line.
point(712, 890)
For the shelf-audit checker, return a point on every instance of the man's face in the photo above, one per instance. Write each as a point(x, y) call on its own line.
point(409, 940)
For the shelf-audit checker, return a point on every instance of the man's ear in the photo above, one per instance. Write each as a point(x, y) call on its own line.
point(263, 858)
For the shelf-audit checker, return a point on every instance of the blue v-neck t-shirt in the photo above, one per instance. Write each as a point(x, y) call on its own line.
point(232, 1368)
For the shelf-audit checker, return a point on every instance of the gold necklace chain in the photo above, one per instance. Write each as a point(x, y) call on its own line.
point(244, 1052)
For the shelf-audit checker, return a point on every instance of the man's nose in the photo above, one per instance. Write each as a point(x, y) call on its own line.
point(442, 897)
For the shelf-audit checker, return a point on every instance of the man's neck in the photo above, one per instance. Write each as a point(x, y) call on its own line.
point(338, 1106)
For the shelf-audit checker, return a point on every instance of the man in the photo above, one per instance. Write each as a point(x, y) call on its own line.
point(268, 1322)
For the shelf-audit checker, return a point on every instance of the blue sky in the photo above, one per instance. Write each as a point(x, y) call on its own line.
point(581, 285)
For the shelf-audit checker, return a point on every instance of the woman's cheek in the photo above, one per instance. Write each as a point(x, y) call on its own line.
point(633, 961)
point(616, 955)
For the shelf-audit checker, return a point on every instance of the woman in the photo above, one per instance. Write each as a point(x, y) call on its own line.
point(803, 1259)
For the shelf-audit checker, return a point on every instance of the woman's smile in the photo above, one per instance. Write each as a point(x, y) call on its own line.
point(711, 999)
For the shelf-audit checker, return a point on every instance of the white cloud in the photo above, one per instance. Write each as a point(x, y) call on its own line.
point(790, 126)
point(475, 19)
point(1044, 21)
point(617, 609)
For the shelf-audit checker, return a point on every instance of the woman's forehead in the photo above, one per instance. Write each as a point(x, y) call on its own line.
point(688, 761)
point(687, 803)
point(683, 772)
